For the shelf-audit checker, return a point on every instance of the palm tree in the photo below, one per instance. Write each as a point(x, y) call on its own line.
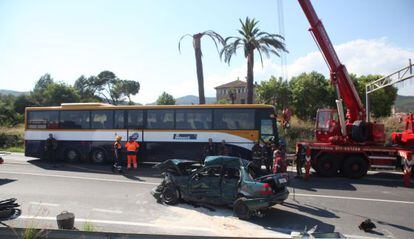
point(252, 39)
point(217, 39)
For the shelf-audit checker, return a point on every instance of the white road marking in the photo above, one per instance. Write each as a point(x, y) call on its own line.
point(106, 210)
point(360, 237)
point(124, 223)
point(45, 204)
point(78, 177)
point(353, 198)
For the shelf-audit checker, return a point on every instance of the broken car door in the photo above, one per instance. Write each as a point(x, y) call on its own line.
point(230, 184)
point(205, 184)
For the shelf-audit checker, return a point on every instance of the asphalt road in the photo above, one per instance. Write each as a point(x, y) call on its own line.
point(122, 203)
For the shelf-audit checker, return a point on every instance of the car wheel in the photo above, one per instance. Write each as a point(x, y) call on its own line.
point(98, 156)
point(72, 155)
point(241, 210)
point(327, 165)
point(355, 167)
point(170, 194)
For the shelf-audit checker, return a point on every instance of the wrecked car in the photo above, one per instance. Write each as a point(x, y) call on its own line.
point(222, 180)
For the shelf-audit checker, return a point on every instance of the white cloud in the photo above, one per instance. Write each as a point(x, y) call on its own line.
point(362, 57)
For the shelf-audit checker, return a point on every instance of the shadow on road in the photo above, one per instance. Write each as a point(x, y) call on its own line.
point(315, 182)
point(313, 210)
point(143, 170)
point(404, 228)
point(375, 220)
point(276, 219)
point(4, 181)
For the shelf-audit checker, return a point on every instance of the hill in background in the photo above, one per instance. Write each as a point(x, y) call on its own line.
point(12, 92)
point(192, 99)
point(404, 103)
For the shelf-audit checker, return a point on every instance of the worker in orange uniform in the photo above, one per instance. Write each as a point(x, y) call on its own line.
point(132, 149)
point(117, 155)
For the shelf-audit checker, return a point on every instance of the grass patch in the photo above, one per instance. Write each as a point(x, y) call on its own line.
point(16, 130)
point(299, 130)
point(19, 149)
point(33, 233)
point(12, 138)
point(88, 227)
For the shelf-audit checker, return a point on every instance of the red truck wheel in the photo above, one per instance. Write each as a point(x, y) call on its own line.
point(327, 165)
point(355, 167)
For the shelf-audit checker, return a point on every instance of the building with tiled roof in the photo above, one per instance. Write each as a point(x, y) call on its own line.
point(240, 89)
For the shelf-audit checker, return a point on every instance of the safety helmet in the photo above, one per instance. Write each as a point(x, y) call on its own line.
point(282, 142)
point(134, 136)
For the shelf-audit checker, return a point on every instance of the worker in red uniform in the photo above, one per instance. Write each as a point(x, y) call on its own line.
point(279, 163)
point(132, 148)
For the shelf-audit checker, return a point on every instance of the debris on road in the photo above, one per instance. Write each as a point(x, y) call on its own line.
point(367, 225)
point(9, 209)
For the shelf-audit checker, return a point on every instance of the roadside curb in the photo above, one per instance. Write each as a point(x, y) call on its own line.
point(8, 233)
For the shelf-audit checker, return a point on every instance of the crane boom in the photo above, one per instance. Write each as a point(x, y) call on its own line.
point(340, 78)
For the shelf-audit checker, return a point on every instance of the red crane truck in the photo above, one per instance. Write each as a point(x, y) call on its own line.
point(348, 143)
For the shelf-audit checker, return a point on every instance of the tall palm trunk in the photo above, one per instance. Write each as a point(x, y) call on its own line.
point(199, 67)
point(250, 65)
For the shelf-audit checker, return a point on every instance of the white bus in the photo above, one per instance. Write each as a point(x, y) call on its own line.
point(86, 131)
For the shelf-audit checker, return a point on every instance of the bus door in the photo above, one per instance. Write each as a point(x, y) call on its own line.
point(266, 129)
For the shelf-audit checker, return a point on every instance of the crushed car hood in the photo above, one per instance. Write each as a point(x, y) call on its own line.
point(177, 166)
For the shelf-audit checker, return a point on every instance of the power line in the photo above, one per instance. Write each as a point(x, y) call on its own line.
point(283, 56)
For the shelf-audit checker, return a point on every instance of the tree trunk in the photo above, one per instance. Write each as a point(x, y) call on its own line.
point(199, 67)
point(250, 65)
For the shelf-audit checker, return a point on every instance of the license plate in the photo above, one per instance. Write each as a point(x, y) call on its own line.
point(282, 180)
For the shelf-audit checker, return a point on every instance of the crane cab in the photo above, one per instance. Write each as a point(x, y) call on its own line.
point(327, 125)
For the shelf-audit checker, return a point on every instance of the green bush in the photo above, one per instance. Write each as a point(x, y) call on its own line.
point(10, 140)
point(298, 131)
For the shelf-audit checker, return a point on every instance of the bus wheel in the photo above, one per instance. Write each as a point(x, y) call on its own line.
point(355, 167)
point(72, 155)
point(98, 156)
point(327, 165)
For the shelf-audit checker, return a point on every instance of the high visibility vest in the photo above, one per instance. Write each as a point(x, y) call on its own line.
point(117, 145)
point(132, 146)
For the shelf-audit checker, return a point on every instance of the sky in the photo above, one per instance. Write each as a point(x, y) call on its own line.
point(138, 40)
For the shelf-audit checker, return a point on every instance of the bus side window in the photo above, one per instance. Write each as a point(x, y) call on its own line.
point(119, 119)
point(135, 119)
point(45, 119)
point(266, 129)
point(102, 119)
point(75, 119)
point(240, 119)
point(160, 119)
point(193, 119)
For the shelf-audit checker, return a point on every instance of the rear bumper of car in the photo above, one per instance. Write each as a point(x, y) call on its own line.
point(265, 202)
